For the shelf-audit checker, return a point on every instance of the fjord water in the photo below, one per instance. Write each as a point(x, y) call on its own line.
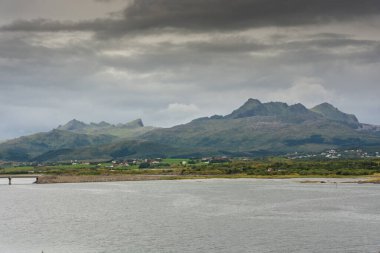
point(189, 216)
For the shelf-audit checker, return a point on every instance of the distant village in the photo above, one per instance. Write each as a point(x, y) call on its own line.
point(336, 154)
point(160, 162)
point(155, 162)
point(139, 163)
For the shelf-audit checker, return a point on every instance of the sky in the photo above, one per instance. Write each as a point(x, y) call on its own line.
point(170, 61)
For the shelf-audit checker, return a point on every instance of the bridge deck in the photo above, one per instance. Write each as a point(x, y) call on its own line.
point(19, 176)
point(10, 177)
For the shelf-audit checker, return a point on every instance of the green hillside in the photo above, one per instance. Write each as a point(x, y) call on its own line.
point(114, 151)
point(25, 148)
point(74, 135)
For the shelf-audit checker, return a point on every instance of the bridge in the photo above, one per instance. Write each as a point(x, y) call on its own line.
point(10, 177)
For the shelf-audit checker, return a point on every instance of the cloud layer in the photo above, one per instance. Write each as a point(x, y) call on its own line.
point(170, 61)
point(201, 15)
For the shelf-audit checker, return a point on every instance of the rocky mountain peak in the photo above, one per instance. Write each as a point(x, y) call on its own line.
point(330, 112)
point(73, 125)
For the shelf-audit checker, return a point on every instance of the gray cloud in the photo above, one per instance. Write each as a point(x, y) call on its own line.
point(224, 14)
point(216, 15)
point(241, 54)
point(106, 1)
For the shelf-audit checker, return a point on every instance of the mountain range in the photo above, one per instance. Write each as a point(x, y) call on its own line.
point(254, 129)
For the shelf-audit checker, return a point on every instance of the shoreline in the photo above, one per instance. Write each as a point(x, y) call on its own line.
point(60, 179)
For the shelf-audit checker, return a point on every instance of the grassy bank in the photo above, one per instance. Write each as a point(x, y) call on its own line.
point(374, 179)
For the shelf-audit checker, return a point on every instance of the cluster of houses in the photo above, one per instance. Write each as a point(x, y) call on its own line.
point(336, 154)
point(121, 163)
point(221, 159)
point(331, 154)
point(5, 164)
point(153, 162)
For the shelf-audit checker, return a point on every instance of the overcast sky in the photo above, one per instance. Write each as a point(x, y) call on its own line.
point(170, 61)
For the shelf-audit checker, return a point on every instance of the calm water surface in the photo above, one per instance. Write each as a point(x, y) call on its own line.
point(189, 216)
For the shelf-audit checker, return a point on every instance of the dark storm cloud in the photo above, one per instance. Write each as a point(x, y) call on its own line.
point(203, 15)
point(224, 14)
point(105, 1)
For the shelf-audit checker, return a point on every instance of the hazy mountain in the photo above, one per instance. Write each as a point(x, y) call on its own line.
point(133, 124)
point(128, 130)
point(253, 129)
point(73, 125)
point(79, 126)
point(25, 148)
point(73, 135)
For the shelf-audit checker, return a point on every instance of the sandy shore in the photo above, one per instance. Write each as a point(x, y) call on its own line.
point(113, 178)
point(100, 178)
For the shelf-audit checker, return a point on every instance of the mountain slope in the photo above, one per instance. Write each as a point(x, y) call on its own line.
point(118, 150)
point(328, 111)
point(25, 148)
